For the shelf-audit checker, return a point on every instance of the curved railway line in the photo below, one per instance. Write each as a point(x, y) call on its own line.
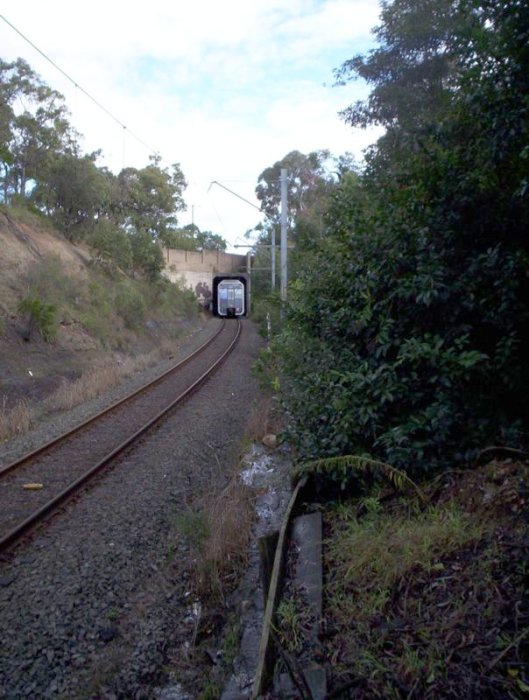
point(66, 464)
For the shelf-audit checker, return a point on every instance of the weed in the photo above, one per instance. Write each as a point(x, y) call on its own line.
point(48, 280)
point(288, 625)
point(218, 536)
point(374, 551)
point(16, 420)
point(224, 555)
point(266, 369)
point(263, 419)
point(194, 527)
point(231, 641)
point(41, 317)
point(112, 614)
point(130, 304)
point(211, 691)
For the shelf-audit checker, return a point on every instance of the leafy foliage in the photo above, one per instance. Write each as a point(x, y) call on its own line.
point(41, 316)
point(412, 331)
point(311, 181)
point(73, 192)
point(347, 468)
point(147, 256)
point(112, 244)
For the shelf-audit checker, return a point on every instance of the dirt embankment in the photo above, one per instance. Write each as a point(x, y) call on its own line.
point(87, 332)
point(34, 369)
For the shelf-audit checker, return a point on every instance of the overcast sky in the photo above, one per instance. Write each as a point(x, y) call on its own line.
point(223, 88)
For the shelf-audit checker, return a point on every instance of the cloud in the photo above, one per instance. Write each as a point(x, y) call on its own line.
point(226, 89)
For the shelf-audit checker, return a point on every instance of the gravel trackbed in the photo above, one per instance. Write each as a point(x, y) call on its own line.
point(89, 603)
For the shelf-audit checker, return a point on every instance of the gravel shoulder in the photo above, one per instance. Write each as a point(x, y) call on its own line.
point(88, 609)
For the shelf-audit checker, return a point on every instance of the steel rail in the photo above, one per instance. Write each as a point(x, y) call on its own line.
point(14, 535)
point(55, 441)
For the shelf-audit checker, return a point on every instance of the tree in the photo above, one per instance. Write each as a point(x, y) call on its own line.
point(112, 244)
point(190, 237)
point(151, 197)
point(29, 138)
point(206, 240)
point(147, 255)
point(306, 176)
point(413, 330)
point(416, 66)
point(74, 191)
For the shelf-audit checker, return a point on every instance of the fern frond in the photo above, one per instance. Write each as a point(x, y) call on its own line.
point(348, 465)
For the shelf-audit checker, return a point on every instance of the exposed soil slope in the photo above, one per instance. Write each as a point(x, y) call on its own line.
point(34, 369)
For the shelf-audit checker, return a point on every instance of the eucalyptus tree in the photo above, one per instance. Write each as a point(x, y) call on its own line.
point(34, 127)
point(307, 181)
point(151, 197)
point(75, 192)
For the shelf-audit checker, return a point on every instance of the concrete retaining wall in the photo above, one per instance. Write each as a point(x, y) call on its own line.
point(196, 270)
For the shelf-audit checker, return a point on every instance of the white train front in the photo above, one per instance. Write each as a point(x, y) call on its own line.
point(229, 296)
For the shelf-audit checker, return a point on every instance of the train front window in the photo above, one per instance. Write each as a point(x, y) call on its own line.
point(231, 296)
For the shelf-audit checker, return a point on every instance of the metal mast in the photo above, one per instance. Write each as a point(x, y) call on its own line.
point(284, 208)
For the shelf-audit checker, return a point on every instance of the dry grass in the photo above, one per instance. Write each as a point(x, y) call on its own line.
point(92, 383)
point(218, 536)
point(16, 420)
point(263, 419)
point(102, 377)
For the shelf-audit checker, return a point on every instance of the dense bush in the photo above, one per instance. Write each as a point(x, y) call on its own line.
point(171, 300)
point(40, 317)
point(112, 245)
point(407, 333)
point(129, 304)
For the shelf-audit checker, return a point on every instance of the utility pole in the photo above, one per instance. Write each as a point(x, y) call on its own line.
point(273, 255)
point(249, 273)
point(284, 206)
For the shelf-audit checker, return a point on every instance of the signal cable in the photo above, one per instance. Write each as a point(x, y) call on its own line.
point(79, 87)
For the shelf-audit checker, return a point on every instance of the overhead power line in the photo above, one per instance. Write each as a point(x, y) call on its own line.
point(79, 87)
point(215, 182)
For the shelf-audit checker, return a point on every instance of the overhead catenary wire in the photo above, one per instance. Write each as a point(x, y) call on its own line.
point(215, 182)
point(98, 104)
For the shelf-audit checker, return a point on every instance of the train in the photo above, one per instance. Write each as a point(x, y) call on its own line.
point(230, 296)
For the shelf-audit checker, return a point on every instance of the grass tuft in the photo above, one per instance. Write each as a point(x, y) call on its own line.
point(373, 552)
point(218, 536)
point(16, 420)
point(91, 384)
point(224, 554)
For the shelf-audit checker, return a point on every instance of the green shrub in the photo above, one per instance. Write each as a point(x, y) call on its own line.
point(100, 297)
point(97, 325)
point(112, 244)
point(130, 304)
point(171, 300)
point(409, 324)
point(47, 280)
point(408, 343)
point(41, 317)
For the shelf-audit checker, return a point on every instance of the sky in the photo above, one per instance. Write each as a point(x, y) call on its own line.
point(225, 89)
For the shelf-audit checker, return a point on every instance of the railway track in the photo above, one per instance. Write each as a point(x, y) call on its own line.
point(35, 485)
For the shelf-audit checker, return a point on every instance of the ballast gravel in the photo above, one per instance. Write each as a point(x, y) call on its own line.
point(87, 607)
point(59, 423)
